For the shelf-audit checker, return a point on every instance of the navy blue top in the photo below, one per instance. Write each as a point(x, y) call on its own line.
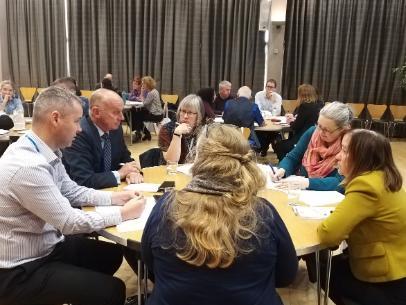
point(251, 279)
point(292, 164)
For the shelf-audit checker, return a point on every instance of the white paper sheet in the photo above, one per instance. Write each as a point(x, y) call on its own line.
point(3, 131)
point(143, 187)
point(139, 223)
point(320, 198)
point(133, 224)
point(267, 170)
point(218, 119)
point(312, 212)
point(185, 169)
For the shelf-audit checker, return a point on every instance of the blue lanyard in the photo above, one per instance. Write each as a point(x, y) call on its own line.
point(32, 141)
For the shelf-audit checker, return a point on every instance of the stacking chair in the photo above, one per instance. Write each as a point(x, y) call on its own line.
point(40, 90)
point(170, 101)
point(289, 106)
point(86, 93)
point(27, 95)
point(376, 117)
point(358, 110)
point(398, 120)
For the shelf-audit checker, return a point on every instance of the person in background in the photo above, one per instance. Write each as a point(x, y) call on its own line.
point(136, 89)
point(372, 219)
point(69, 83)
point(313, 158)
point(9, 100)
point(45, 259)
point(177, 140)
point(222, 97)
point(216, 235)
point(270, 101)
point(107, 76)
point(151, 111)
point(242, 112)
point(98, 156)
point(304, 117)
point(207, 95)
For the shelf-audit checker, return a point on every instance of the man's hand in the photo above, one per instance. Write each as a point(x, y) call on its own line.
point(133, 208)
point(127, 168)
point(134, 178)
point(120, 198)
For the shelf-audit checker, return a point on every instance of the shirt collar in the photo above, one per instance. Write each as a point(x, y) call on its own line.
point(101, 132)
point(50, 155)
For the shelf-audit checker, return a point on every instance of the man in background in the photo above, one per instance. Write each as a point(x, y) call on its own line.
point(269, 99)
point(222, 97)
point(98, 157)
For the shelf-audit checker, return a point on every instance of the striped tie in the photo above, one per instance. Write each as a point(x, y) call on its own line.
point(106, 151)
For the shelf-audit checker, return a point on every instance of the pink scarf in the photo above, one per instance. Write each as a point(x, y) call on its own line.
point(319, 160)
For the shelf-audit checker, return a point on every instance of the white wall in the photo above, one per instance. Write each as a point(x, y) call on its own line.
point(276, 39)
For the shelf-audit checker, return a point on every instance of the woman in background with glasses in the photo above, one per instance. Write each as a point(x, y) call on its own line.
point(177, 140)
point(313, 158)
point(215, 242)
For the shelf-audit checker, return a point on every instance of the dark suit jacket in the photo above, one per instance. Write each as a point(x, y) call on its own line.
point(84, 159)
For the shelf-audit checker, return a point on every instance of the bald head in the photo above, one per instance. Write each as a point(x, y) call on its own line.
point(106, 109)
point(53, 99)
point(244, 91)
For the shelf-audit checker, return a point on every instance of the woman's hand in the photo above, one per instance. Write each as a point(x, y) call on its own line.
point(278, 175)
point(290, 118)
point(133, 208)
point(294, 183)
point(183, 129)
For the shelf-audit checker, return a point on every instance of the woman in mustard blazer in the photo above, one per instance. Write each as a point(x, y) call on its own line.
point(372, 218)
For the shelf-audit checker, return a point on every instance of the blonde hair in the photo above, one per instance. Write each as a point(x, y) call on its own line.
point(306, 94)
point(217, 228)
point(149, 82)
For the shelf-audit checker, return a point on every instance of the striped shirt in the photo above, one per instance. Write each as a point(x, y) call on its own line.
point(36, 200)
point(153, 102)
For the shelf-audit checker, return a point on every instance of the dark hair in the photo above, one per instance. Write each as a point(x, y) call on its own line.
point(379, 157)
point(206, 94)
point(107, 84)
point(271, 80)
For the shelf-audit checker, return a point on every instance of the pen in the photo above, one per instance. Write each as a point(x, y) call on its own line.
point(273, 171)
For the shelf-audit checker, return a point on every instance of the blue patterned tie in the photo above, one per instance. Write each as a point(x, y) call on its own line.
point(107, 151)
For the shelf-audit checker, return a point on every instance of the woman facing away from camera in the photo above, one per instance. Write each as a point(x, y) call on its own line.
point(216, 242)
point(372, 218)
point(313, 159)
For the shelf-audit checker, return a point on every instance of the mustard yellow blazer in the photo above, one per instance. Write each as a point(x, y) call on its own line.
point(373, 221)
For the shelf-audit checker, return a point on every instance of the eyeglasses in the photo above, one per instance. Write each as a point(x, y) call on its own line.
point(189, 113)
point(325, 130)
point(270, 87)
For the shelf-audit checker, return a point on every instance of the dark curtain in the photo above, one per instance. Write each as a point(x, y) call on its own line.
point(345, 48)
point(183, 44)
point(35, 40)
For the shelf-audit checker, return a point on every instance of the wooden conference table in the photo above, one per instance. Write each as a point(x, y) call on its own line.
point(302, 231)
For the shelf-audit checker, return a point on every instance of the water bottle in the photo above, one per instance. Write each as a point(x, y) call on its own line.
point(18, 119)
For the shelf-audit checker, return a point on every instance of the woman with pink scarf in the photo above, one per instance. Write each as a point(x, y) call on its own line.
point(313, 159)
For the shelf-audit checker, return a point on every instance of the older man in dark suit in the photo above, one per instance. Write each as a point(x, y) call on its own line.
point(98, 157)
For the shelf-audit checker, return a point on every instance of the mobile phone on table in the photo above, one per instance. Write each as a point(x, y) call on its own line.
point(166, 185)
